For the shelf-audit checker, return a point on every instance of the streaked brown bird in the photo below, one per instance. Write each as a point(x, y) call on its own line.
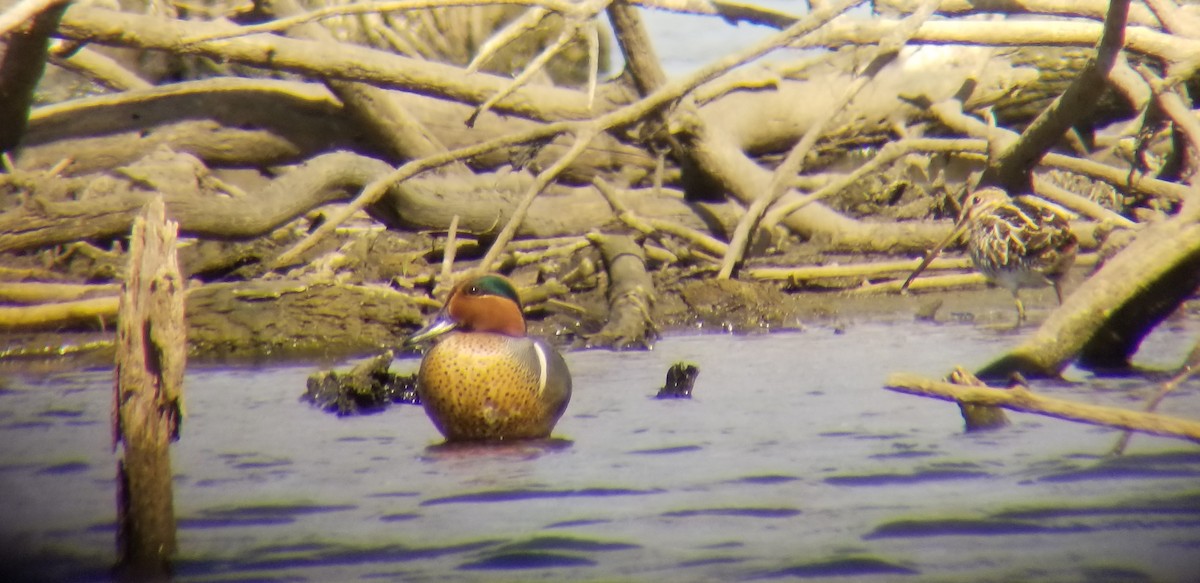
point(1013, 243)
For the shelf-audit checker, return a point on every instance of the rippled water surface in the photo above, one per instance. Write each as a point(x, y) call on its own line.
point(791, 461)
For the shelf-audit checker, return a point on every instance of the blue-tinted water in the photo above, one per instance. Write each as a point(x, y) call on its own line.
point(791, 461)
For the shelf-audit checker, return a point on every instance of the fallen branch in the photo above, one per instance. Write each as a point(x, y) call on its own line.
point(322, 180)
point(880, 55)
point(23, 12)
point(544, 178)
point(1105, 318)
point(630, 295)
point(38, 292)
point(318, 59)
point(933, 283)
point(858, 270)
point(1189, 368)
point(95, 310)
point(1011, 170)
point(1024, 400)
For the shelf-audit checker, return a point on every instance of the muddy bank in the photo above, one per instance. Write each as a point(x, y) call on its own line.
point(281, 321)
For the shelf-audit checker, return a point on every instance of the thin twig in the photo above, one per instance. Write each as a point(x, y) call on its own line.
point(889, 153)
point(364, 8)
point(734, 12)
point(531, 69)
point(859, 270)
point(935, 282)
point(1190, 367)
point(450, 252)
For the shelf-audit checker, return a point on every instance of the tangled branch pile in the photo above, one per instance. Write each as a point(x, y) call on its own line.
point(480, 132)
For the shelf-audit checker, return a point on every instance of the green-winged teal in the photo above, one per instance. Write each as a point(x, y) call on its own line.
point(484, 379)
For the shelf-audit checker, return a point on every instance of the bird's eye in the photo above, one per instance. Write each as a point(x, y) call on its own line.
point(473, 290)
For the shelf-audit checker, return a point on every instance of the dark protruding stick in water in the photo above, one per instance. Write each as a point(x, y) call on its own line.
point(681, 378)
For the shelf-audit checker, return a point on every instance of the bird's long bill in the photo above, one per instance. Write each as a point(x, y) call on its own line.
point(954, 234)
point(441, 324)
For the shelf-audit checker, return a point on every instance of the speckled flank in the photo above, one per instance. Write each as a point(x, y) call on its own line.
point(474, 386)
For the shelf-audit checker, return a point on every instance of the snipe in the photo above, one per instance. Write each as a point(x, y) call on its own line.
point(1013, 243)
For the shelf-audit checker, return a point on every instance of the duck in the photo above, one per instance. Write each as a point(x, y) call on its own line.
point(484, 379)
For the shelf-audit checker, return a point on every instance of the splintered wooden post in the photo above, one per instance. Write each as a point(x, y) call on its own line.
point(148, 407)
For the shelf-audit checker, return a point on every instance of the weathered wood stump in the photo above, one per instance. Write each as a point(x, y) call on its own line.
point(148, 397)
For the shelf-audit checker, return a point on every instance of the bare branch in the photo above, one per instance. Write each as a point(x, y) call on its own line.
point(1022, 399)
point(513, 30)
point(282, 24)
point(1175, 108)
point(23, 12)
point(582, 138)
point(882, 54)
point(1011, 170)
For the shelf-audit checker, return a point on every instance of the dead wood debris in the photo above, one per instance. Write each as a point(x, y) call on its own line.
point(1019, 398)
point(369, 387)
point(394, 134)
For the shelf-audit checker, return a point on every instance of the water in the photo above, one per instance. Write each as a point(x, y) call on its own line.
point(791, 461)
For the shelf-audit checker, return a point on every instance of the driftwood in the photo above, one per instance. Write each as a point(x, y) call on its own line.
point(151, 357)
point(423, 203)
point(21, 65)
point(1022, 399)
point(630, 295)
point(262, 122)
point(421, 142)
point(271, 317)
point(96, 311)
point(388, 123)
point(1106, 318)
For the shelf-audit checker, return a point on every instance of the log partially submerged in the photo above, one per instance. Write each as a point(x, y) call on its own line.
point(1024, 400)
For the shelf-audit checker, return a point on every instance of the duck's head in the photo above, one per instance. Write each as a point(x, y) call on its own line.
point(481, 303)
